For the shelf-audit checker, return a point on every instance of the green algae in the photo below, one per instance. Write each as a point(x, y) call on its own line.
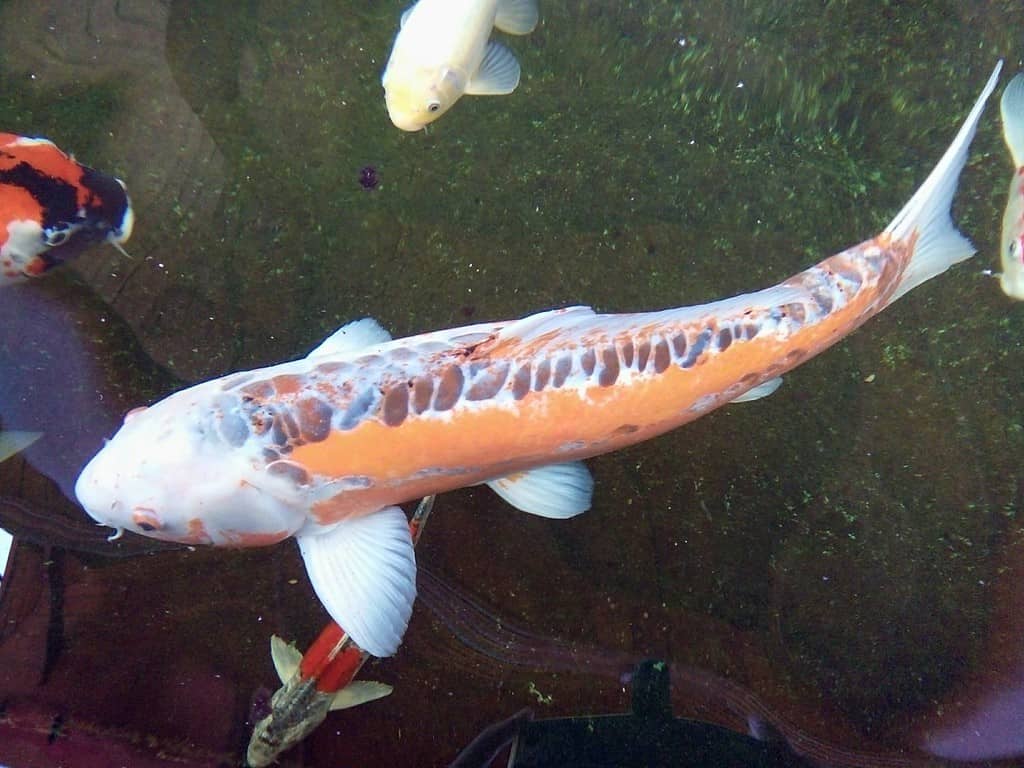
point(76, 118)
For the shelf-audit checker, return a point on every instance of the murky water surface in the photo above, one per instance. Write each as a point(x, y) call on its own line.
point(839, 561)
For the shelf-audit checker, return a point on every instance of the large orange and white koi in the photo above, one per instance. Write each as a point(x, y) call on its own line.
point(325, 448)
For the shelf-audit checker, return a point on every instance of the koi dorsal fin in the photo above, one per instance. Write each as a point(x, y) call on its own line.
point(353, 337)
point(556, 491)
point(522, 338)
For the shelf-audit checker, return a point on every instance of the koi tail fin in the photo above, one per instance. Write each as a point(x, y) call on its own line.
point(939, 245)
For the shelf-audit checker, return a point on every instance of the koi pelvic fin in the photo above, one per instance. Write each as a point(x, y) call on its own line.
point(556, 491)
point(761, 390)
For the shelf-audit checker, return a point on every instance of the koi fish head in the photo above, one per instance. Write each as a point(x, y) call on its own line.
point(417, 96)
point(52, 208)
point(175, 472)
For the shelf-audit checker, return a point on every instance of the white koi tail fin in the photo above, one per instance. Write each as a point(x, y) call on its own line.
point(939, 244)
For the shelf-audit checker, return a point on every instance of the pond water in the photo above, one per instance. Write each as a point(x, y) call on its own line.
point(834, 567)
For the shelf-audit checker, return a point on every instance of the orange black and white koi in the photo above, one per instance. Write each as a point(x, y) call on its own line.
point(324, 448)
point(317, 682)
point(52, 207)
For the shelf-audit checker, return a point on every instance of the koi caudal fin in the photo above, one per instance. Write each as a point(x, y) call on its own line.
point(938, 244)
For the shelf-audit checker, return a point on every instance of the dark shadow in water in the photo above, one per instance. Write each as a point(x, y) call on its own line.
point(71, 369)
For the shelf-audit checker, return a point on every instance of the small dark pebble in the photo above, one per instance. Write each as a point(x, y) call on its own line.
point(368, 178)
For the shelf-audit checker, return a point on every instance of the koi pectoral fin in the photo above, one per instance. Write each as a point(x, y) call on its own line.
point(286, 658)
point(556, 490)
point(359, 692)
point(763, 389)
point(498, 74)
point(364, 572)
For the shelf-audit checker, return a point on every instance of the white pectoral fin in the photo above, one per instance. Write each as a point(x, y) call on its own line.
point(364, 572)
point(286, 658)
point(516, 17)
point(763, 389)
point(359, 692)
point(556, 490)
point(352, 337)
point(498, 73)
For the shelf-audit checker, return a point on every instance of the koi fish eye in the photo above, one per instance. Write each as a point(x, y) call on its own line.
point(146, 519)
point(433, 106)
point(1016, 251)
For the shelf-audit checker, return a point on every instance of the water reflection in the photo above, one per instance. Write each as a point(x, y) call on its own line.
point(70, 370)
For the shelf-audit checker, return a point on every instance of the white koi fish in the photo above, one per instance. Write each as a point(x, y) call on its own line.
point(1012, 108)
point(443, 51)
point(324, 448)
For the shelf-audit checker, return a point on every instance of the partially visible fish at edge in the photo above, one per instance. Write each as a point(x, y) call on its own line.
point(53, 207)
point(1012, 242)
point(324, 448)
point(443, 50)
